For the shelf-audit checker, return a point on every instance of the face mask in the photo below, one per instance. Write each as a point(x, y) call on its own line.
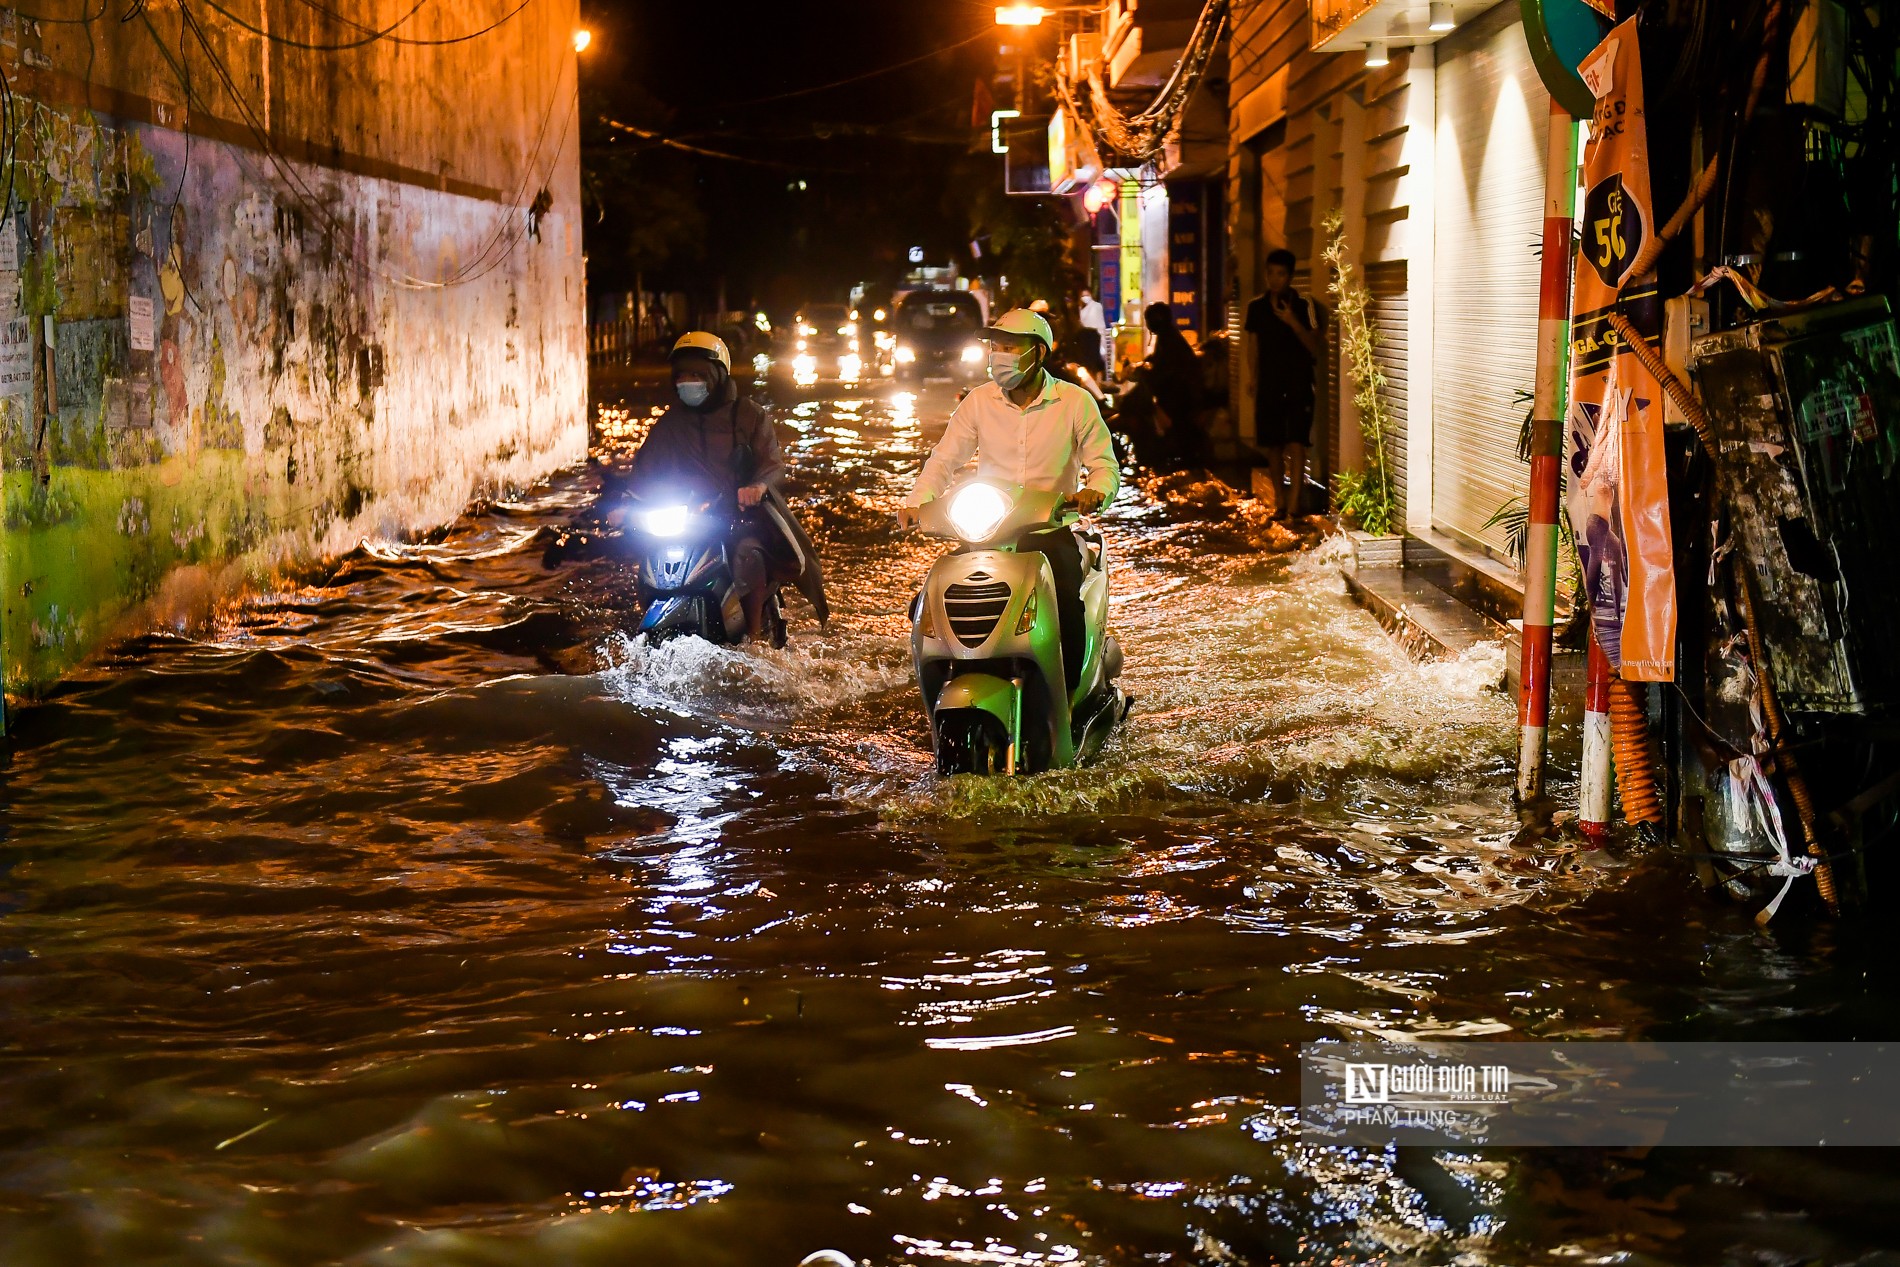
point(1010, 369)
point(693, 393)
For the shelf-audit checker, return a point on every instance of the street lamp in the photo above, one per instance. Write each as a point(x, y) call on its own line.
point(582, 38)
point(1020, 15)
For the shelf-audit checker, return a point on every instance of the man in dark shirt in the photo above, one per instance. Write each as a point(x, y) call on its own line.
point(1287, 345)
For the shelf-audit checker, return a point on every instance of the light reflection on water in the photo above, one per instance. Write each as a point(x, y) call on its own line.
point(421, 917)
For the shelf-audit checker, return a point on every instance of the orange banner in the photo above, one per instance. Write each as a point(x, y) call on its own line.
point(1619, 488)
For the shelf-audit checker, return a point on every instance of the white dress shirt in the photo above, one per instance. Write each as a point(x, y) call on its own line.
point(1047, 446)
point(1094, 316)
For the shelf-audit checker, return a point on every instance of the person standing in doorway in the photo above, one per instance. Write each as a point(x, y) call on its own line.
point(1094, 317)
point(1286, 346)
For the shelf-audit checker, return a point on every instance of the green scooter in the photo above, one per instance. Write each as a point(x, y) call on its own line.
point(987, 645)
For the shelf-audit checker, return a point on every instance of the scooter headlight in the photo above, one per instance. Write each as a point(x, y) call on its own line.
point(973, 354)
point(977, 511)
point(905, 354)
point(665, 521)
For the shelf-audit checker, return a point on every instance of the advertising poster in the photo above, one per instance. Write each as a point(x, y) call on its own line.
point(16, 359)
point(1618, 495)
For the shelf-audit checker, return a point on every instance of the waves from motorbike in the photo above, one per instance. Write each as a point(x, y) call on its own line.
point(683, 542)
point(986, 639)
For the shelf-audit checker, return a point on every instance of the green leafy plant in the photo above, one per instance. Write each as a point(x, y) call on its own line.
point(1514, 519)
point(1368, 496)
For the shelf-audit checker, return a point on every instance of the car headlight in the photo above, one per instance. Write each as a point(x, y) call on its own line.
point(805, 363)
point(973, 354)
point(665, 521)
point(977, 510)
point(850, 365)
point(848, 329)
point(905, 354)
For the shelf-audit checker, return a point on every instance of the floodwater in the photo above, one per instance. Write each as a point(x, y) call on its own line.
point(414, 916)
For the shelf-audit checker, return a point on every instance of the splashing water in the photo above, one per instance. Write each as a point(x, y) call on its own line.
point(418, 914)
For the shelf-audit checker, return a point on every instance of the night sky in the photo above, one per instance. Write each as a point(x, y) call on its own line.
point(887, 163)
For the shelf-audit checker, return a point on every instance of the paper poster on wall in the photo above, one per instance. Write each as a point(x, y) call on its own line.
point(140, 308)
point(16, 359)
point(1618, 497)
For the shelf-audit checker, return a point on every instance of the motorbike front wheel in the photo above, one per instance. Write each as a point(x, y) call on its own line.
point(972, 743)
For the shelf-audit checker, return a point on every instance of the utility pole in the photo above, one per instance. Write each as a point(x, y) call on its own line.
point(1547, 452)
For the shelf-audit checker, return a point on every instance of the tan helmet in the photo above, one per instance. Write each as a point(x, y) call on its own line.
point(1024, 321)
point(702, 343)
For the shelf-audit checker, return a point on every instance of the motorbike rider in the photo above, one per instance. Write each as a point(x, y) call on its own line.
point(1027, 427)
point(715, 440)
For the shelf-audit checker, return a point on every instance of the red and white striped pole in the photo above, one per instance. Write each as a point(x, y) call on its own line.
point(1547, 452)
point(1593, 812)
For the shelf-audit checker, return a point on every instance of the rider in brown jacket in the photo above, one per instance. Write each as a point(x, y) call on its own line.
point(715, 439)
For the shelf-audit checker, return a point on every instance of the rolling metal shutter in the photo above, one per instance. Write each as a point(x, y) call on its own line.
point(1388, 314)
point(1492, 116)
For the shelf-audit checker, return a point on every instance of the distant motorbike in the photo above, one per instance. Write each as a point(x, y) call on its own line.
point(987, 645)
point(686, 587)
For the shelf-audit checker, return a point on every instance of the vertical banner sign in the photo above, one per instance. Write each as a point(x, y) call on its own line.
point(1108, 251)
point(1619, 496)
point(1184, 256)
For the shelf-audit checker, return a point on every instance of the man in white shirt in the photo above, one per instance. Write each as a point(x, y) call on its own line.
point(1095, 317)
point(1028, 427)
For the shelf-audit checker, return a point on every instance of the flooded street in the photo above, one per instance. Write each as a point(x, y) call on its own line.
point(418, 917)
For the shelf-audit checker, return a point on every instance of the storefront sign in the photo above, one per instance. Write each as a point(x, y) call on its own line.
point(1561, 34)
point(1184, 256)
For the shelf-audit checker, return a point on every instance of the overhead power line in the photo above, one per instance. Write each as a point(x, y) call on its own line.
point(370, 33)
point(670, 143)
point(291, 42)
point(857, 79)
point(435, 42)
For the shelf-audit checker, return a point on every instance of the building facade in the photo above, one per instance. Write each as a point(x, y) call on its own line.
point(270, 283)
point(1435, 161)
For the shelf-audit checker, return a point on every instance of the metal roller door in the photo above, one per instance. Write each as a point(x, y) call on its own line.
point(1388, 314)
point(1492, 116)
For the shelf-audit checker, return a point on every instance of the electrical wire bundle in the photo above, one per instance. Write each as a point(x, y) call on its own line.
point(1135, 140)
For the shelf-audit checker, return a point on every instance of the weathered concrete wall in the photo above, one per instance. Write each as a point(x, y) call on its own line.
point(298, 296)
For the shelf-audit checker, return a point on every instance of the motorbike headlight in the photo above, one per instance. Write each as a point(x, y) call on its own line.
point(905, 354)
point(973, 354)
point(977, 511)
point(665, 521)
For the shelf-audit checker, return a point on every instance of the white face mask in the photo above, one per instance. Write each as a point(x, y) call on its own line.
point(693, 392)
point(1009, 369)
